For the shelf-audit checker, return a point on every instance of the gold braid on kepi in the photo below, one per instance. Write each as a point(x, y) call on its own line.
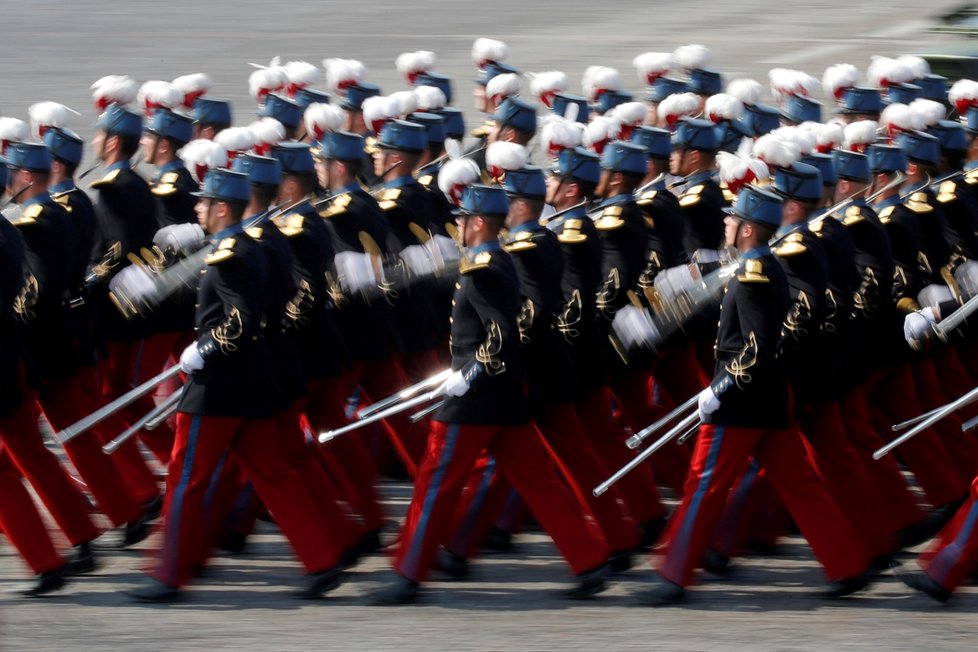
point(488, 352)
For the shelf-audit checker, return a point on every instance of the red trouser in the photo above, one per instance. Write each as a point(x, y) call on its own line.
point(638, 489)
point(200, 443)
point(902, 510)
point(452, 450)
point(480, 504)
point(633, 391)
point(24, 446)
point(954, 554)
point(720, 455)
point(959, 445)
point(132, 363)
point(120, 483)
point(583, 471)
point(679, 375)
point(21, 523)
point(892, 399)
point(847, 478)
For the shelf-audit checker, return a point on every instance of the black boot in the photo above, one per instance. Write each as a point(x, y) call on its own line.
point(321, 583)
point(662, 594)
point(153, 592)
point(923, 583)
point(847, 586)
point(82, 560)
point(589, 584)
point(649, 531)
point(620, 562)
point(454, 566)
point(400, 591)
point(716, 563)
point(44, 583)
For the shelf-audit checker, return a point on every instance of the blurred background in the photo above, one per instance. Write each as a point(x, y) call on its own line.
point(55, 49)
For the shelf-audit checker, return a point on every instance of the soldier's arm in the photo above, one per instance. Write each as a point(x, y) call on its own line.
point(489, 298)
point(235, 284)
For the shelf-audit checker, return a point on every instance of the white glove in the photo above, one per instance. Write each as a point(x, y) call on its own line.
point(446, 248)
point(933, 295)
point(418, 260)
point(191, 360)
point(135, 284)
point(917, 324)
point(355, 271)
point(634, 327)
point(455, 385)
point(672, 282)
point(179, 238)
point(709, 403)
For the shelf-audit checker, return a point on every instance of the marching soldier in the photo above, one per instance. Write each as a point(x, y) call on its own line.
point(229, 361)
point(486, 408)
point(210, 115)
point(745, 411)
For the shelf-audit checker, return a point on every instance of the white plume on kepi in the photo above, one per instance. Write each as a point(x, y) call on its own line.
point(341, 73)
point(547, 84)
point(786, 81)
point(723, 106)
point(44, 115)
point(267, 132)
point(748, 91)
point(601, 131)
point(691, 57)
point(455, 175)
point(12, 130)
point(897, 118)
point(407, 102)
point(652, 65)
point(918, 66)
point(193, 86)
point(860, 134)
point(963, 95)
point(411, 64)
point(322, 118)
point(930, 112)
point(776, 151)
point(430, 98)
point(598, 80)
point(267, 80)
point(502, 86)
point(884, 72)
point(301, 74)
point(202, 155)
point(487, 50)
point(378, 110)
point(114, 89)
point(558, 133)
point(829, 136)
point(737, 171)
point(837, 78)
point(236, 139)
point(506, 156)
point(677, 106)
point(158, 94)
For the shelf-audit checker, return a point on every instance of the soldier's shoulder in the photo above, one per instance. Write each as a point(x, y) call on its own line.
point(610, 218)
point(917, 202)
point(337, 206)
point(792, 245)
point(692, 196)
point(753, 271)
point(290, 224)
point(109, 179)
point(29, 215)
point(226, 249)
point(478, 263)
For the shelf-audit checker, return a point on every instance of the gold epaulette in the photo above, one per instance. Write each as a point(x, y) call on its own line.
point(610, 219)
point(225, 250)
point(290, 225)
point(971, 177)
point(388, 198)
point(853, 215)
point(753, 272)
point(816, 227)
point(62, 200)
point(918, 203)
point(481, 261)
point(426, 179)
point(792, 246)
point(886, 213)
point(522, 242)
point(647, 197)
point(28, 216)
point(255, 232)
point(727, 195)
point(337, 206)
point(166, 186)
point(483, 130)
point(947, 192)
point(107, 180)
point(692, 196)
point(571, 233)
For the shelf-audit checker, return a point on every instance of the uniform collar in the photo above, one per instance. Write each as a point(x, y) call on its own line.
point(532, 225)
point(119, 165)
point(785, 229)
point(892, 200)
point(62, 186)
point(175, 164)
point(970, 165)
point(401, 181)
point(912, 188)
point(658, 184)
point(233, 230)
point(577, 211)
point(698, 177)
point(40, 198)
point(620, 198)
point(353, 186)
point(858, 201)
point(492, 245)
point(756, 252)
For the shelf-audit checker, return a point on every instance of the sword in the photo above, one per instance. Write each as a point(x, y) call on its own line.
point(926, 423)
point(690, 421)
point(407, 392)
point(944, 327)
point(421, 414)
point(381, 415)
point(108, 410)
point(636, 440)
point(162, 408)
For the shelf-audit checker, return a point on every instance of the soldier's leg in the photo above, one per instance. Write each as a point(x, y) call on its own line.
point(22, 524)
point(932, 393)
point(954, 555)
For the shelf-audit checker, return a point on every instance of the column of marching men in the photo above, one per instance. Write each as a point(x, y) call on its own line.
point(771, 277)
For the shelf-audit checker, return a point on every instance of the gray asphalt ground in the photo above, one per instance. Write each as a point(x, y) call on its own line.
point(54, 49)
